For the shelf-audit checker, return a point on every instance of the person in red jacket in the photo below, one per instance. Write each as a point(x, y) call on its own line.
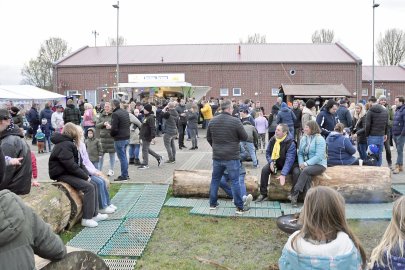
point(34, 170)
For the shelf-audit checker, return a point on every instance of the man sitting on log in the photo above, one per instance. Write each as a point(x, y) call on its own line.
point(281, 154)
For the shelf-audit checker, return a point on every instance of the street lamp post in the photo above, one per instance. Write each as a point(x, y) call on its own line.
point(117, 6)
point(372, 78)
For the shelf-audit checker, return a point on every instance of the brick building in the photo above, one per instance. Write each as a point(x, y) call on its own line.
point(236, 71)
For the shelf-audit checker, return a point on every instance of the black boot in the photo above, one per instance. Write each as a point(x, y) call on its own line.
point(131, 160)
point(294, 199)
point(137, 162)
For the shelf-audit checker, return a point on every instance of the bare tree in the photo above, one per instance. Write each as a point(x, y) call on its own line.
point(38, 71)
point(391, 47)
point(113, 41)
point(323, 36)
point(255, 38)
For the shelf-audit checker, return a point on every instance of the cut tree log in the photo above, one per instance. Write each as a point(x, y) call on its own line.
point(75, 259)
point(51, 204)
point(76, 203)
point(196, 183)
point(357, 184)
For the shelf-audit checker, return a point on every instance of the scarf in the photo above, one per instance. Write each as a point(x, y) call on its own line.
point(276, 149)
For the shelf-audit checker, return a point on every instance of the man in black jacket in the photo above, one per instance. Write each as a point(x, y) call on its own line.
point(120, 132)
point(33, 119)
point(71, 113)
point(147, 134)
point(16, 178)
point(377, 126)
point(224, 134)
point(182, 111)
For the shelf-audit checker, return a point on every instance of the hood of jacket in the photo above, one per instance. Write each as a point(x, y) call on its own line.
point(377, 108)
point(58, 138)
point(308, 111)
point(333, 136)
point(11, 216)
point(15, 130)
point(285, 109)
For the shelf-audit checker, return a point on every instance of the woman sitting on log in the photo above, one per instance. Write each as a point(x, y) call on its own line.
point(340, 148)
point(390, 253)
point(325, 239)
point(311, 159)
point(65, 165)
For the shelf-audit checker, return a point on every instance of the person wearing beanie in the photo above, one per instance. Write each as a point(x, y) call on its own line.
point(308, 112)
point(326, 119)
point(40, 136)
point(17, 118)
point(147, 134)
point(286, 116)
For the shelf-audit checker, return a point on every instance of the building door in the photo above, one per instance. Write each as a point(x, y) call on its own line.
point(91, 96)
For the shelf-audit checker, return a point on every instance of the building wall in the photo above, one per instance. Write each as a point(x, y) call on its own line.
point(255, 80)
point(393, 89)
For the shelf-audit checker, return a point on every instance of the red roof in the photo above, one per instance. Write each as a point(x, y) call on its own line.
point(384, 73)
point(211, 53)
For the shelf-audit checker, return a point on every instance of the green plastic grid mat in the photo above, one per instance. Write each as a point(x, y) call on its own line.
point(131, 237)
point(184, 202)
point(120, 264)
point(93, 239)
point(369, 211)
point(230, 212)
point(125, 199)
point(399, 188)
point(150, 203)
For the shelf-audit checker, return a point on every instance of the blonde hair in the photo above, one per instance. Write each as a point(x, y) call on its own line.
point(362, 111)
point(71, 130)
point(394, 236)
point(323, 216)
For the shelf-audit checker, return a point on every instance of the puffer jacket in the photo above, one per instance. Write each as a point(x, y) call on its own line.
point(288, 154)
point(206, 111)
point(107, 142)
point(340, 149)
point(316, 153)
point(396, 261)
point(326, 122)
point(16, 178)
point(192, 120)
point(134, 130)
point(172, 118)
point(23, 233)
point(251, 131)
point(344, 116)
point(307, 115)
point(120, 125)
point(93, 146)
point(398, 126)
point(71, 114)
point(359, 129)
point(286, 116)
point(148, 128)
point(65, 159)
point(376, 121)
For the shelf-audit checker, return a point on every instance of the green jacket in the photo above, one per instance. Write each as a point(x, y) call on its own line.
point(23, 234)
point(94, 148)
point(107, 142)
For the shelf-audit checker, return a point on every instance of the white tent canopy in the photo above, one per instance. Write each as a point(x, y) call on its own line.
point(27, 92)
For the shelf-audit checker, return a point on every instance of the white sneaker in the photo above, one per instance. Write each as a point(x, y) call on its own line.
point(89, 223)
point(113, 206)
point(110, 173)
point(100, 217)
point(107, 210)
point(248, 200)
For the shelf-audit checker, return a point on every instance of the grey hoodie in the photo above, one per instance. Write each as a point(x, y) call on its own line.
point(23, 234)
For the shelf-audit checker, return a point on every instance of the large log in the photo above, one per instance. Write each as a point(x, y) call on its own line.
point(51, 204)
point(76, 203)
point(75, 259)
point(357, 184)
point(196, 183)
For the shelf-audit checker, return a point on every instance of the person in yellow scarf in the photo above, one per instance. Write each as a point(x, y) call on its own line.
point(281, 154)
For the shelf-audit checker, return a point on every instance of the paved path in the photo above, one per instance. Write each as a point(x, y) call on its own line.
point(185, 159)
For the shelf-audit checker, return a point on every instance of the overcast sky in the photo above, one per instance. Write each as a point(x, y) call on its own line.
point(24, 24)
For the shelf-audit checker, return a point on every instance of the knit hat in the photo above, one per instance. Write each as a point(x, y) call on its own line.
point(148, 107)
point(310, 103)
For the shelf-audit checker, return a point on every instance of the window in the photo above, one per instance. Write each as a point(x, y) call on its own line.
point(224, 92)
point(274, 92)
point(237, 92)
point(364, 92)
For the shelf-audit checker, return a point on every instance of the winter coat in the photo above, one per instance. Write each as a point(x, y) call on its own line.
point(16, 178)
point(65, 159)
point(2, 166)
point(107, 142)
point(33, 117)
point(47, 114)
point(376, 121)
point(316, 153)
point(57, 121)
point(206, 111)
point(298, 117)
point(224, 134)
point(261, 124)
point(340, 149)
point(359, 129)
point(272, 123)
point(46, 129)
point(180, 109)
point(94, 149)
point(88, 118)
point(307, 115)
point(23, 233)
point(18, 120)
point(148, 128)
point(134, 129)
point(250, 119)
point(326, 122)
point(398, 126)
point(348, 259)
point(71, 114)
point(396, 261)
point(288, 154)
point(192, 120)
point(172, 118)
point(344, 116)
point(286, 116)
point(120, 125)
point(251, 131)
